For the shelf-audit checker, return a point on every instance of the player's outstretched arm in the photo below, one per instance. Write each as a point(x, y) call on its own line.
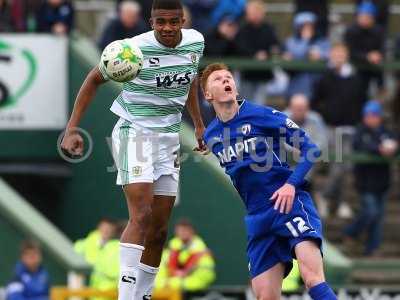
point(72, 141)
point(194, 111)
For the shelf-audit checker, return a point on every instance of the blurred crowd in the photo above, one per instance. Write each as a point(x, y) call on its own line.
point(41, 16)
point(346, 106)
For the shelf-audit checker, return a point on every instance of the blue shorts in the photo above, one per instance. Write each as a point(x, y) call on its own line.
point(272, 235)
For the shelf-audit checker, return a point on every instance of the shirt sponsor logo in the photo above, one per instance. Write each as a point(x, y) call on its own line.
point(154, 62)
point(233, 152)
point(171, 81)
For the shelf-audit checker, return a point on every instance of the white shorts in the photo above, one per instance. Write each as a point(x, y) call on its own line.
point(142, 155)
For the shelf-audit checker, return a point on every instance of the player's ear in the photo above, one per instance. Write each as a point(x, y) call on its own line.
point(207, 95)
point(151, 23)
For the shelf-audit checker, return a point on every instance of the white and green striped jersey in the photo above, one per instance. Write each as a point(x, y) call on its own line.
point(155, 99)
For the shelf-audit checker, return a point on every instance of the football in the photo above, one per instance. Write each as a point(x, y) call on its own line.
point(121, 60)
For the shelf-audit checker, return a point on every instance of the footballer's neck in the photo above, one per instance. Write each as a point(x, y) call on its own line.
point(226, 111)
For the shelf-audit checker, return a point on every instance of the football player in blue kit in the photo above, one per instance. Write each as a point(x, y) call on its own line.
point(282, 223)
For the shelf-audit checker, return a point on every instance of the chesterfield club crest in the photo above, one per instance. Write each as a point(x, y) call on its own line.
point(246, 128)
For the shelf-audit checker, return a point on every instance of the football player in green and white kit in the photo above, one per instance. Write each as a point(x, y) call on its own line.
point(146, 138)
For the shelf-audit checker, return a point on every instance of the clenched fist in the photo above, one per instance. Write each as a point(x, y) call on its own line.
point(72, 143)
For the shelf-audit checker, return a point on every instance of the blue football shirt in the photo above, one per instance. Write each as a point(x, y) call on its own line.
point(252, 147)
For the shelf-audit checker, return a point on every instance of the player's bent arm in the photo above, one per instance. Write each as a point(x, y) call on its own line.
point(85, 96)
point(194, 111)
point(193, 105)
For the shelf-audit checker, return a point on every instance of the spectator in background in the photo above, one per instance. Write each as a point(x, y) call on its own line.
point(292, 282)
point(128, 24)
point(366, 41)
point(339, 96)
point(29, 11)
point(55, 16)
point(256, 39)
point(31, 280)
point(305, 44)
point(101, 250)
point(221, 41)
point(145, 9)
point(90, 246)
point(382, 11)
point(187, 263)
point(207, 14)
point(105, 273)
point(7, 20)
point(319, 8)
point(232, 9)
point(340, 87)
point(372, 179)
point(201, 13)
point(311, 121)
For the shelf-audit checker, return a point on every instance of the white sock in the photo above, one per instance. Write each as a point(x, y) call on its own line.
point(130, 255)
point(145, 282)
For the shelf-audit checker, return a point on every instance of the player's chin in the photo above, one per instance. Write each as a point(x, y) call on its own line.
point(169, 40)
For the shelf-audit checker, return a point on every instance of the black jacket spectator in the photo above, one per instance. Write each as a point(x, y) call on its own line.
point(128, 24)
point(115, 30)
point(56, 16)
point(320, 8)
point(367, 141)
point(256, 39)
point(339, 99)
point(361, 41)
point(250, 40)
point(221, 41)
point(366, 41)
point(382, 14)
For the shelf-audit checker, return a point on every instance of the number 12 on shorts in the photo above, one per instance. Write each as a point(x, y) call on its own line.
point(300, 224)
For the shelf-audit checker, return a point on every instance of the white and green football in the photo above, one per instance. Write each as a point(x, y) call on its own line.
point(121, 60)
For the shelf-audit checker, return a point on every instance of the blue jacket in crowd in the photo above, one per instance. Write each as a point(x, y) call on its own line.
point(28, 286)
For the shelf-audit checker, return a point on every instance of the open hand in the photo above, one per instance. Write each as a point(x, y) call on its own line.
point(284, 198)
point(374, 57)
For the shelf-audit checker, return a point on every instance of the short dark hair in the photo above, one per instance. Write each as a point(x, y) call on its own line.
point(28, 245)
point(167, 4)
point(185, 223)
